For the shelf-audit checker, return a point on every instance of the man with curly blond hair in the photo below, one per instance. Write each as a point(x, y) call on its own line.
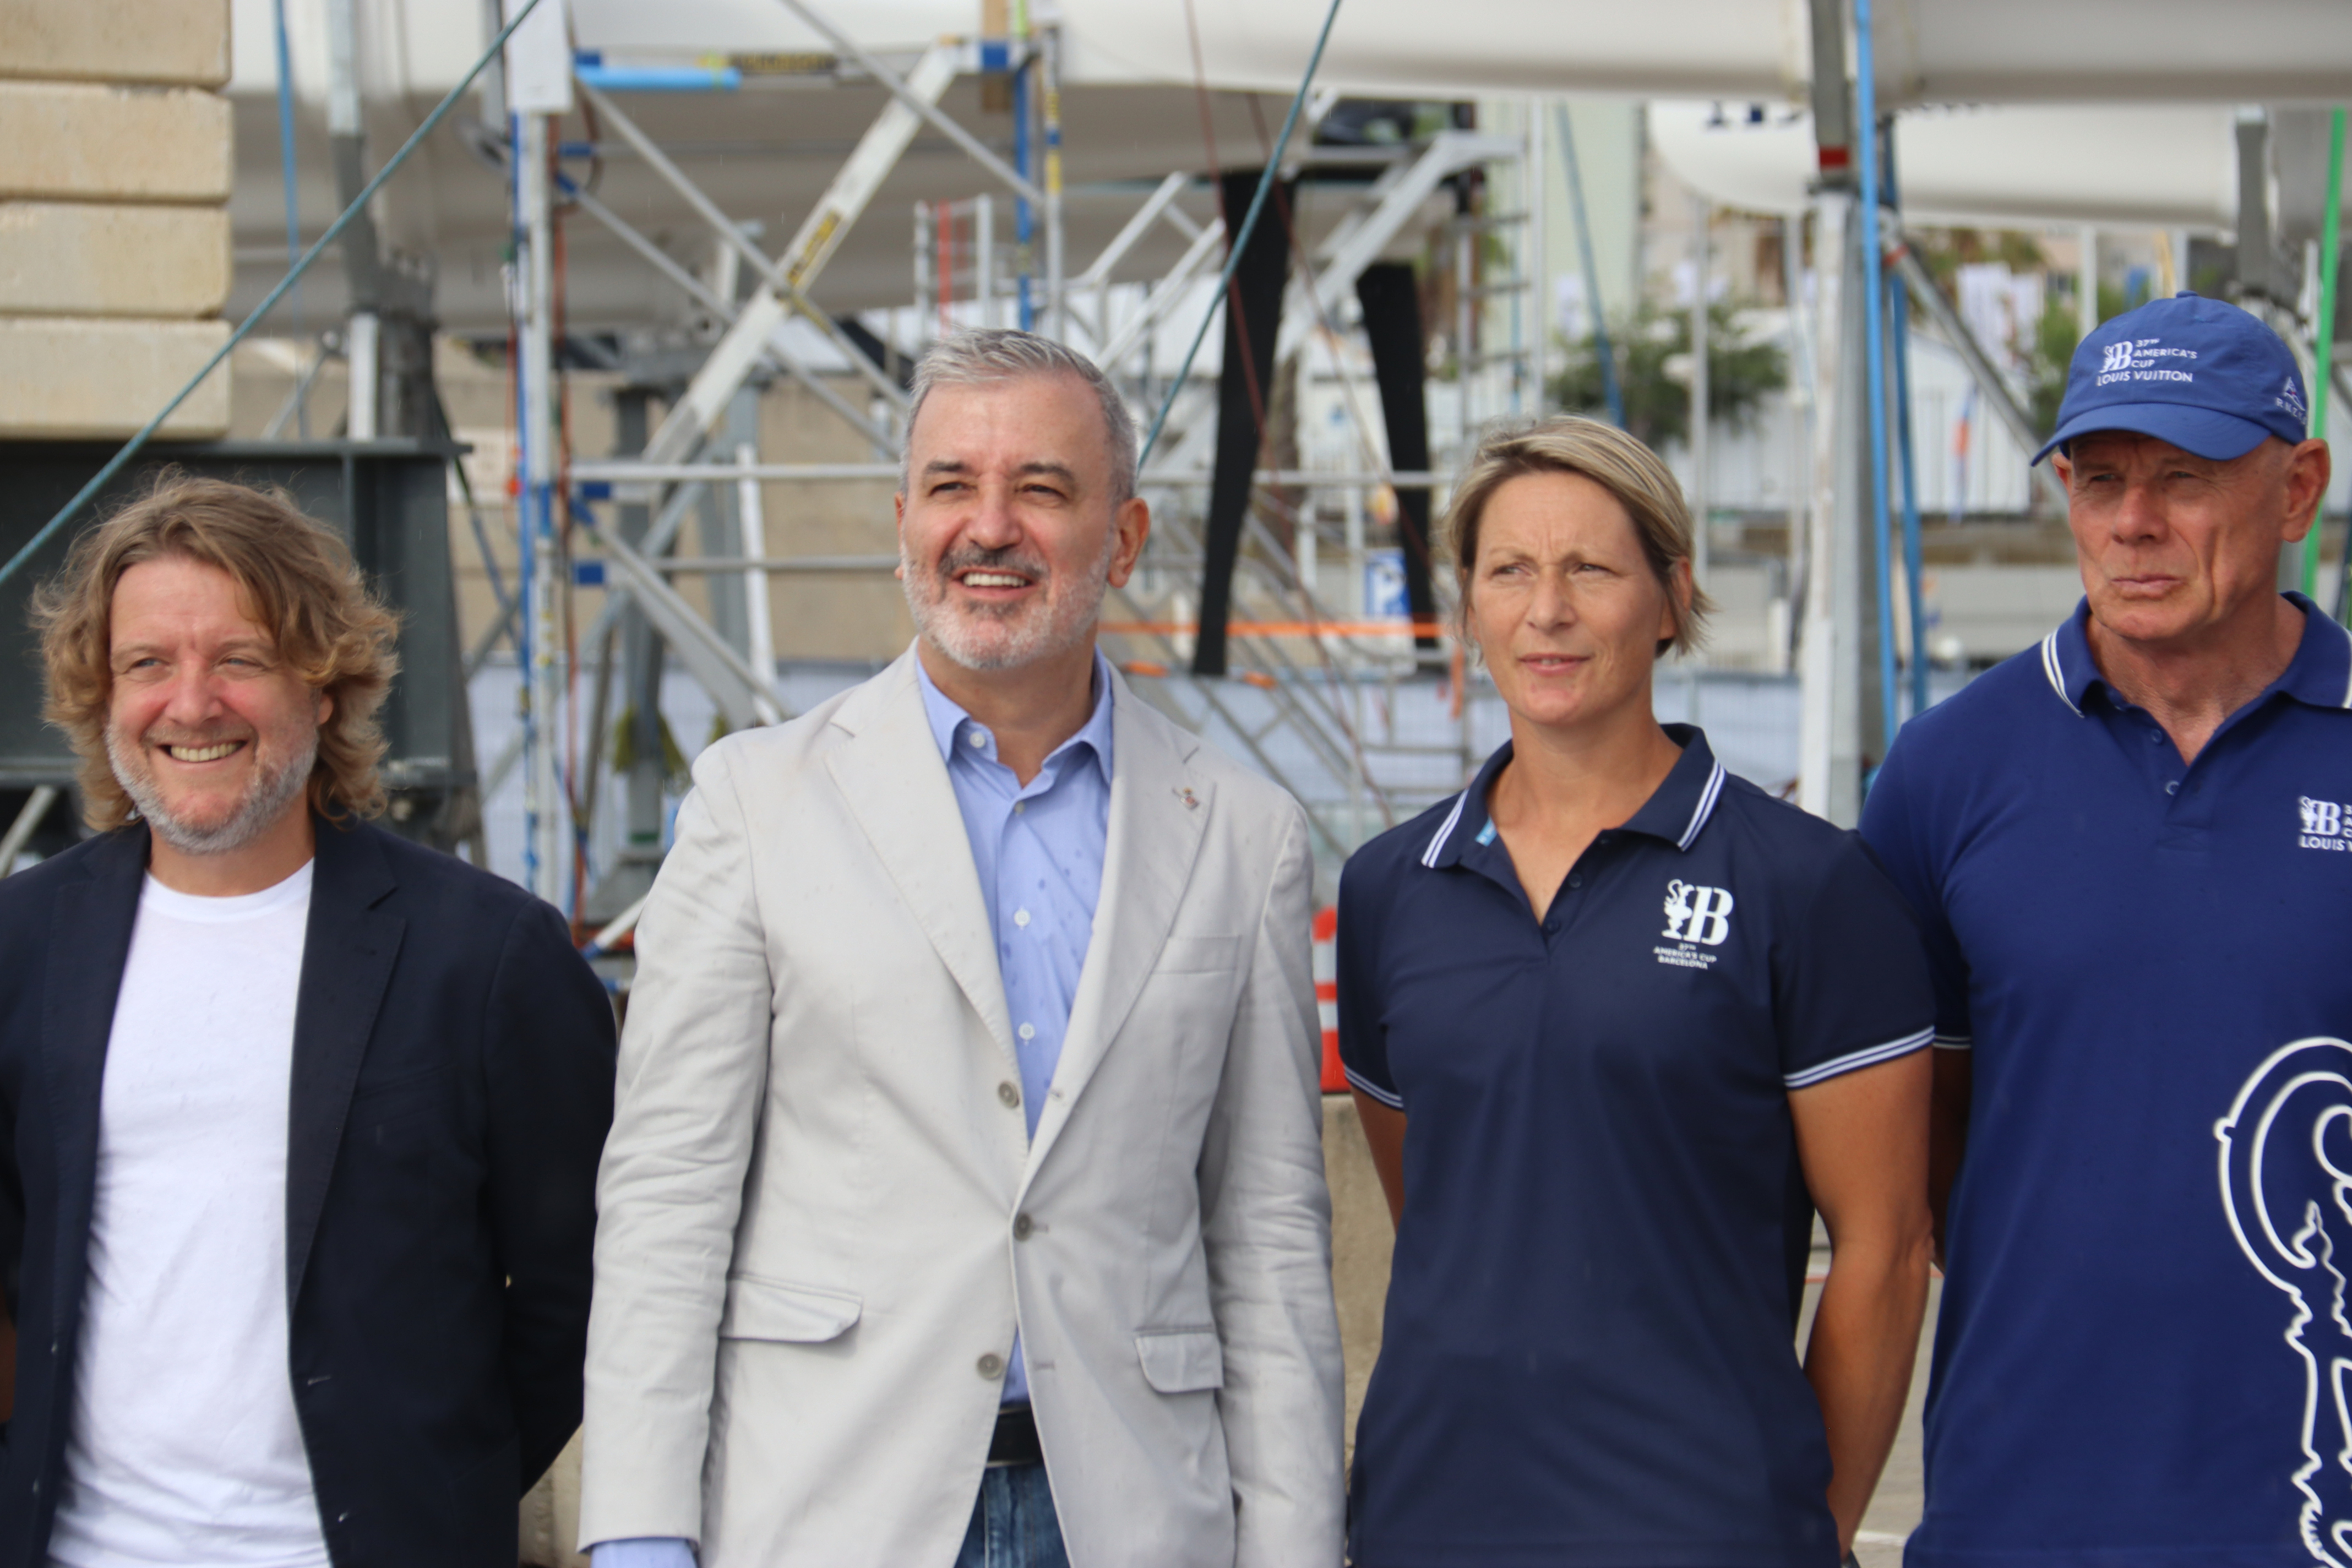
point(299, 1120)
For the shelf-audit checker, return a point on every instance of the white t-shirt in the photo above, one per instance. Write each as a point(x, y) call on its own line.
point(184, 1449)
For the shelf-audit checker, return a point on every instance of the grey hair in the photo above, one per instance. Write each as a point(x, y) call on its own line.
point(1004, 354)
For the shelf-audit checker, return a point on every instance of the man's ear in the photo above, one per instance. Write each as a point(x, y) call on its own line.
point(899, 522)
point(1131, 526)
point(2309, 465)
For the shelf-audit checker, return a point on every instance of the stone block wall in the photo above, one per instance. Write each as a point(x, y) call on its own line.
point(114, 234)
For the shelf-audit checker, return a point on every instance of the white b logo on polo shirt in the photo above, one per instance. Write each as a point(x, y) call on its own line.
point(2326, 824)
point(1697, 914)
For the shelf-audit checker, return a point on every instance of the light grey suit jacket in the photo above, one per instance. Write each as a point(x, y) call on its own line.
point(821, 1216)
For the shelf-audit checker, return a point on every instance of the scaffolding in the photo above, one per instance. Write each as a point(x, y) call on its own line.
point(1322, 670)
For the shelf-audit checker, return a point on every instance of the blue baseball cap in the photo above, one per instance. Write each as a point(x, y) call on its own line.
point(2197, 372)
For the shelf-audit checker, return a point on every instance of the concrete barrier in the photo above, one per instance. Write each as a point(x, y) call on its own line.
point(75, 258)
point(80, 142)
point(66, 376)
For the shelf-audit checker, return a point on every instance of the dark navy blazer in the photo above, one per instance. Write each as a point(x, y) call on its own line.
point(452, 1085)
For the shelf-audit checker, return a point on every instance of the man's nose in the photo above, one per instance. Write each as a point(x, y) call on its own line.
point(993, 523)
point(192, 696)
point(2139, 514)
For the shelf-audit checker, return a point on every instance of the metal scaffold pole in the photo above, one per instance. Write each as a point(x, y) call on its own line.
point(539, 87)
point(542, 689)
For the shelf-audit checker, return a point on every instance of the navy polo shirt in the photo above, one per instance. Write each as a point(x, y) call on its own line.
point(2143, 1314)
point(1587, 1354)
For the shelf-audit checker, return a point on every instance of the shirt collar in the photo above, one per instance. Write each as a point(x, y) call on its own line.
point(1676, 811)
point(2320, 673)
point(948, 717)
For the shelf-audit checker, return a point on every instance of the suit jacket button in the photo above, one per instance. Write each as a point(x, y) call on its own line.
point(992, 1366)
point(1021, 1227)
point(1009, 1092)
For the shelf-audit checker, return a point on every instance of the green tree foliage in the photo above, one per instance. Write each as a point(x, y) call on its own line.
point(1944, 251)
point(2054, 339)
point(1653, 351)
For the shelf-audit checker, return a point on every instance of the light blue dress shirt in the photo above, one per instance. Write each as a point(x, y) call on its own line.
point(1039, 850)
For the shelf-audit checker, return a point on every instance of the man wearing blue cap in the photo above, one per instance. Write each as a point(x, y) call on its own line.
point(2130, 851)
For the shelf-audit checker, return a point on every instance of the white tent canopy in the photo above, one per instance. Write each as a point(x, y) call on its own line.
point(1929, 51)
point(2122, 165)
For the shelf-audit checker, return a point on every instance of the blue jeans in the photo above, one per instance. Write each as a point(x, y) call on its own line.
point(1014, 1524)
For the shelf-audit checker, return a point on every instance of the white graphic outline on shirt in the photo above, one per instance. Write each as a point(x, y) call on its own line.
point(2285, 1114)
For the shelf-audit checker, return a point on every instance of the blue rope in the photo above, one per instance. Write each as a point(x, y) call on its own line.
point(1873, 282)
point(1898, 297)
point(1240, 242)
point(131, 448)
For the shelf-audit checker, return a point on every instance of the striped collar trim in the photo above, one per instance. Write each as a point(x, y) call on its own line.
point(2054, 672)
point(1712, 793)
point(2320, 674)
point(1675, 813)
point(1445, 830)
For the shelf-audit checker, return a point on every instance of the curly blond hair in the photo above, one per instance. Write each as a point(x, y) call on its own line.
point(298, 583)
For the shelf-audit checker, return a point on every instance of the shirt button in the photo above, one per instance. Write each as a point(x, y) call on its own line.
point(2173, 788)
point(1019, 806)
point(1009, 1092)
point(979, 737)
point(990, 1366)
point(1576, 879)
point(1021, 918)
point(1028, 1031)
point(1022, 1228)
point(1551, 925)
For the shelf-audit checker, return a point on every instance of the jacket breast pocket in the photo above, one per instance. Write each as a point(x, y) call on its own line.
point(771, 1309)
point(1181, 1360)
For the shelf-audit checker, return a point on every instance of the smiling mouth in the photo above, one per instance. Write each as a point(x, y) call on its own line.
point(209, 753)
point(993, 580)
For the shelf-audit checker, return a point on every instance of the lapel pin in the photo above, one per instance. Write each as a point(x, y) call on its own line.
point(1192, 801)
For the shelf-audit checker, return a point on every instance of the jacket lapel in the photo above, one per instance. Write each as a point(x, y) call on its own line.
point(895, 782)
point(348, 950)
point(95, 918)
point(1158, 811)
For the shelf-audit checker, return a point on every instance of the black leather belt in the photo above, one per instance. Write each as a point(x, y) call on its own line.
point(1015, 1442)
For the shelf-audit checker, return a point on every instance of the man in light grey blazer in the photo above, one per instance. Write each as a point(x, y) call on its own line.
point(964, 1201)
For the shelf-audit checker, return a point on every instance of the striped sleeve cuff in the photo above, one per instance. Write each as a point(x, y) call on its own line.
point(1954, 1043)
point(1869, 1056)
point(1387, 1097)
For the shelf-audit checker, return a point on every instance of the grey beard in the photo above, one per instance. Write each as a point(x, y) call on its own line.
point(262, 806)
point(1061, 625)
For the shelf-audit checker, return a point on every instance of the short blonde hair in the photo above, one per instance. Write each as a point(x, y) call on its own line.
point(1611, 459)
point(298, 583)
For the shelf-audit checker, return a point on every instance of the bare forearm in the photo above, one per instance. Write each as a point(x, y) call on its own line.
point(1865, 1336)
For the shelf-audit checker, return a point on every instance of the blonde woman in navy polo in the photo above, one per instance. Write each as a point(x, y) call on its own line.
point(1618, 1023)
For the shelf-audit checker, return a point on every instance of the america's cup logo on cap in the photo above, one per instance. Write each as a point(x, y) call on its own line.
point(2117, 357)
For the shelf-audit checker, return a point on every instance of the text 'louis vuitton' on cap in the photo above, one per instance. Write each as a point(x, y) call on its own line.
point(2200, 374)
